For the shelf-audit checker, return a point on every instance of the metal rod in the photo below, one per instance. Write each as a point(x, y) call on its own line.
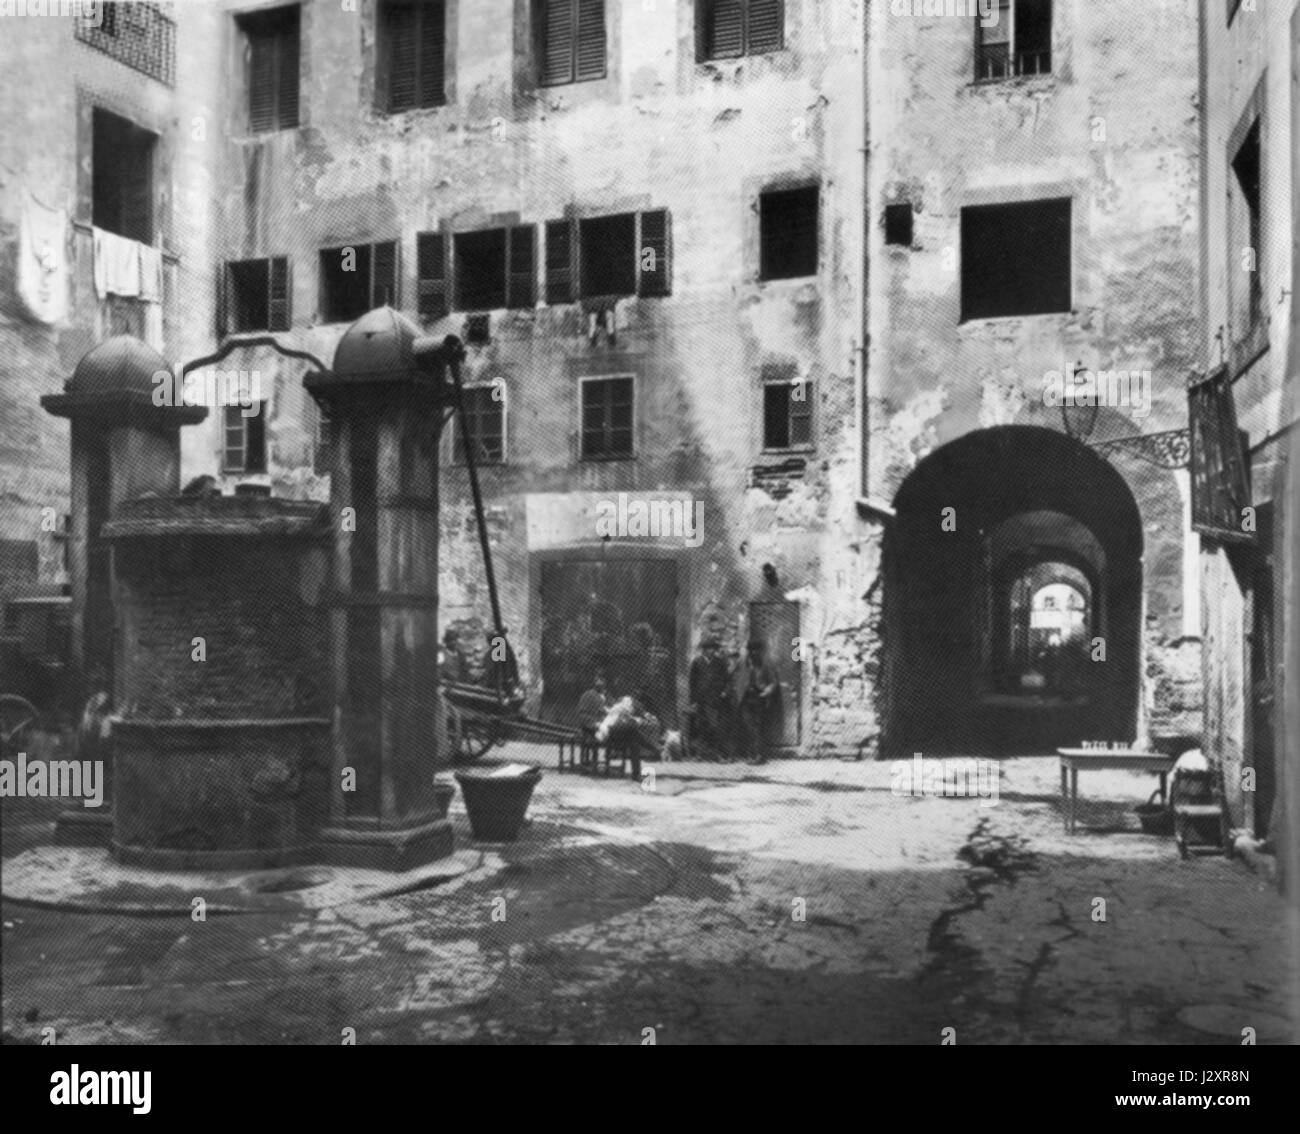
point(453, 361)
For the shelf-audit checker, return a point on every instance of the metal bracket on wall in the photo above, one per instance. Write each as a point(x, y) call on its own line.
point(234, 342)
point(1171, 449)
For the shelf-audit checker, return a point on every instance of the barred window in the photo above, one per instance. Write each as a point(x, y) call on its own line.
point(1018, 42)
point(138, 34)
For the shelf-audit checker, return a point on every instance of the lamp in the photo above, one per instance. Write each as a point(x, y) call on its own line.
point(1079, 420)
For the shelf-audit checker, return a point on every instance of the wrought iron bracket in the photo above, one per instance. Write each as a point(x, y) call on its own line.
point(234, 342)
point(1171, 449)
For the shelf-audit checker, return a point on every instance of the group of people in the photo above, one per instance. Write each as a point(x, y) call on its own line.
point(732, 704)
point(730, 711)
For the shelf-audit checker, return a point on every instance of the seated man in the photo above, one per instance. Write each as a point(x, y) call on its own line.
point(630, 727)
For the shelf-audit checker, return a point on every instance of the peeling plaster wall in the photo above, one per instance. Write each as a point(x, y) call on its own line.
point(661, 131)
point(1253, 57)
point(1114, 127)
point(52, 83)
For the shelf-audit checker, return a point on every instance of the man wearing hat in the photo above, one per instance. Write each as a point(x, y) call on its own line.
point(753, 690)
point(708, 708)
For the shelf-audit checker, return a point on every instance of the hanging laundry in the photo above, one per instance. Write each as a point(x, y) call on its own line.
point(151, 266)
point(43, 261)
point(117, 265)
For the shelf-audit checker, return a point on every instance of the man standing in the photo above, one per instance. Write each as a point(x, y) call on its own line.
point(753, 689)
point(708, 687)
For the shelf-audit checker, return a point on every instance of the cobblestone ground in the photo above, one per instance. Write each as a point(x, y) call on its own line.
point(798, 902)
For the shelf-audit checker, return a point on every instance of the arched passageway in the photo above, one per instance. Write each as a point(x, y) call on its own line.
point(992, 628)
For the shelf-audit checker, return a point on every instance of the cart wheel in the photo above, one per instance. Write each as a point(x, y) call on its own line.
point(475, 739)
point(18, 717)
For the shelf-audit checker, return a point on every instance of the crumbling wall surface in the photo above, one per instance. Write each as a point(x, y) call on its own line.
point(660, 131)
point(1227, 699)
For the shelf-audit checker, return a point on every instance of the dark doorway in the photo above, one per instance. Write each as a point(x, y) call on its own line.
point(1017, 630)
point(617, 618)
point(776, 624)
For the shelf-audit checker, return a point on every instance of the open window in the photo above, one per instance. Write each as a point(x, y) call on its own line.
point(1245, 267)
point(256, 296)
point(245, 440)
point(611, 256)
point(272, 53)
point(1015, 259)
point(788, 233)
point(122, 177)
point(787, 415)
point(1017, 42)
point(491, 268)
point(357, 278)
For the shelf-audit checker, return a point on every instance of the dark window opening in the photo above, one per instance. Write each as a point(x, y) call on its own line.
point(898, 225)
point(258, 295)
point(607, 246)
point(495, 267)
point(1015, 259)
point(787, 415)
point(1018, 42)
point(122, 175)
point(245, 440)
point(357, 278)
point(606, 418)
point(272, 68)
point(570, 41)
point(620, 255)
point(788, 233)
point(1246, 168)
point(729, 29)
point(324, 453)
point(485, 419)
point(412, 55)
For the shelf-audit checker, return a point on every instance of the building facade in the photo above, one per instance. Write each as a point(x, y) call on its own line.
point(1248, 245)
point(770, 309)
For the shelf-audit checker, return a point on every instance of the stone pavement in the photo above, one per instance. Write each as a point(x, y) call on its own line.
point(798, 902)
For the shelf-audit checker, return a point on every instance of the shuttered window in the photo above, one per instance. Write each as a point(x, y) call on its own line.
point(728, 29)
point(521, 266)
point(412, 55)
point(256, 296)
point(559, 261)
point(570, 38)
point(431, 275)
point(619, 255)
point(272, 39)
point(654, 277)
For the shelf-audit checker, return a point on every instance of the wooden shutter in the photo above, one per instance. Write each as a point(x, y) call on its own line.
point(590, 49)
point(433, 53)
point(287, 64)
point(261, 81)
point(431, 272)
point(724, 29)
point(137, 187)
point(521, 266)
point(223, 300)
point(766, 30)
point(555, 46)
point(400, 43)
point(278, 305)
point(654, 237)
point(383, 274)
point(559, 261)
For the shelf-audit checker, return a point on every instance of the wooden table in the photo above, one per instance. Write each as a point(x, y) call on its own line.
point(1072, 759)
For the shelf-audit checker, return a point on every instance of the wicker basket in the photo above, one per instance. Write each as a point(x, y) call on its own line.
point(1156, 818)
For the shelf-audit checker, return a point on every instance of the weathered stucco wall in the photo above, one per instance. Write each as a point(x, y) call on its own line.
point(1114, 128)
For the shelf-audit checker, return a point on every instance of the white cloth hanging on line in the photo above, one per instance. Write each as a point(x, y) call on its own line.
point(43, 260)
